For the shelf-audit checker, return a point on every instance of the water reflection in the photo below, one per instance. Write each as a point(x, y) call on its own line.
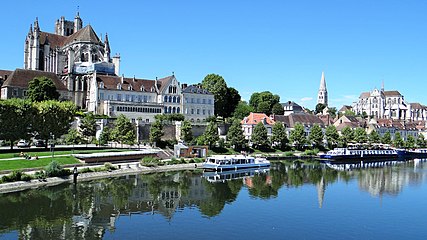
point(90, 209)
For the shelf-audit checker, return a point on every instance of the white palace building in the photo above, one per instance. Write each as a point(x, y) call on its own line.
point(80, 65)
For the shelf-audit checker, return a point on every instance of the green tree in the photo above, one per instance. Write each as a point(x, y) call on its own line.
point(278, 135)
point(360, 135)
point(124, 130)
point(277, 109)
point(233, 100)
point(42, 89)
point(156, 132)
point(105, 135)
point(53, 119)
point(210, 136)
point(421, 142)
point(186, 133)
point(332, 136)
point(347, 135)
point(264, 107)
point(259, 136)
point(235, 135)
point(398, 141)
point(242, 110)
point(73, 136)
point(332, 111)
point(16, 119)
point(349, 113)
point(266, 97)
point(386, 139)
point(319, 108)
point(297, 136)
point(88, 127)
point(216, 85)
point(410, 142)
point(316, 135)
point(374, 137)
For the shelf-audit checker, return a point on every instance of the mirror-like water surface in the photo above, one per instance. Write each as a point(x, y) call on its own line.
point(291, 200)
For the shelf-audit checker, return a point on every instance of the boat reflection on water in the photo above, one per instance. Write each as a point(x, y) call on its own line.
point(234, 174)
point(353, 165)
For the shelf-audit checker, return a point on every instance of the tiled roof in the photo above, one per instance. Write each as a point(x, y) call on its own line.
point(303, 118)
point(196, 89)
point(352, 125)
point(401, 125)
point(21, 78)
point(86, 34)
point(255, 118)
point(417, 106)
point(53, 39)
point(365, 95)
point(110, 82)
point(392, 93)
point(344, 108)
point(162, 82)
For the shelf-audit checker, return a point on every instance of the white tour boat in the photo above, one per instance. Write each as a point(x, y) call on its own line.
point(234, 162)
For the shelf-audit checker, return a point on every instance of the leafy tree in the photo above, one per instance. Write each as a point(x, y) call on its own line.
point(297, 136)
point(264, 107)
point(210, 136)
point(259, 136)
point(124, 130)
point(360, 135)
point(347, 135)
point(156, 132)
point(242, 110)
point(279, 136)
point(105, 135)
point(332, 136)
point(316, 135)
point(421, 142)
point(233, 100)
point(332, 111)
point(216, 85)
point(267, 97)
point(349, 113)
point(398, 141)
point(410, 142)
point(88, 127)
point(16, 117)
point(319, 108)
point(73, 136)
point(374, 137)
point(186, 133)
point(277, 109)
point(386, 139)
point(53, 119)
point(42, 89)
point(235, 135)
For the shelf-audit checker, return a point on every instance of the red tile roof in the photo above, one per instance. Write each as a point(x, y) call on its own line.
point(255, 118)
point(21, 78)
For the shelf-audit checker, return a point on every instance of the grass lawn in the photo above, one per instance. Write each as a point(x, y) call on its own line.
point(42, 162)
point(48, 153)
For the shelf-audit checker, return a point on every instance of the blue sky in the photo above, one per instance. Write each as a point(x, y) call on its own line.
point(277, 45)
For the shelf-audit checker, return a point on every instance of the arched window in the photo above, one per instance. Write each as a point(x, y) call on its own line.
point(173, 110)
point(174, 99)
point(166, 110)
point(119, 86)
point(169, 109)
point(178, 110)
point(178, 100)
point(170, 98)
point(166, 99)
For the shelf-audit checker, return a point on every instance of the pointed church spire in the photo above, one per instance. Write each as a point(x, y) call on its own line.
point(30, 32)
point(322, 95)
point(36, 24)
point(322, 82)
point(107, 43)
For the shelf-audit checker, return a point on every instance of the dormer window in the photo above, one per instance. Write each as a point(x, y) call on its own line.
point(119, 86)
point(101, 85)
point(142, 89)
point(130, 88)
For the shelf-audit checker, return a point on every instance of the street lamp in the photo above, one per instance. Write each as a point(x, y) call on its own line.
point(52, 144)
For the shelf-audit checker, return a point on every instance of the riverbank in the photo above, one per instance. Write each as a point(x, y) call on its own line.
point(123, 169)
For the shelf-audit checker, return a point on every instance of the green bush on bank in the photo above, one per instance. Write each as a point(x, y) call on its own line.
point(54, 169)
point(310, 152)
point(151, 162)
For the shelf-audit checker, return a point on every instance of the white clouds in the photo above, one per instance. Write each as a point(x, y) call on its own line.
point(306, 99)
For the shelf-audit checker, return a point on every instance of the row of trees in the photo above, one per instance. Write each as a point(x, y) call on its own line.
point(23, 119)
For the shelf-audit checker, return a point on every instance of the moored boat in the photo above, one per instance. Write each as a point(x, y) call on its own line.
point(349, 154)
point(211, 176)
point(412, 153)
point(234, 162)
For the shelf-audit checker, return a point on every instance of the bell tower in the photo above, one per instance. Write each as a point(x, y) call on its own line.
point(322, 95)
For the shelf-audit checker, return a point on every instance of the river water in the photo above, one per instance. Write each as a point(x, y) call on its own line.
point(291, 200)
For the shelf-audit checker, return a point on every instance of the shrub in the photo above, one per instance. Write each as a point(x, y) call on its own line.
point(26, 177)
point(53, 169)
point(288, 154)
point(183, 160)
point(40, 175)
point(199, 160)
point(109, 166)
point(150, 162)
point(85, 170)
point(308, 152)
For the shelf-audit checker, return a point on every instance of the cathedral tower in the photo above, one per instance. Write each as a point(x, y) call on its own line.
point(322, 95)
